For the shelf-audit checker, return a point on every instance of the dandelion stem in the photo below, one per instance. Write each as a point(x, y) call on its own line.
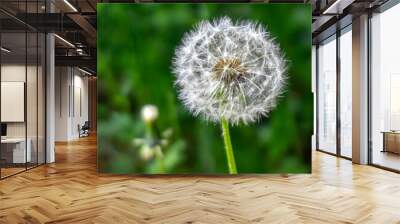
point(160, 159)
point(228, 146)
point(149, 130)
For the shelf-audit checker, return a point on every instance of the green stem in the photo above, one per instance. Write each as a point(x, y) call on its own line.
point(149, 130)
point(228, 146)
point(160, 160)
point(151, 138)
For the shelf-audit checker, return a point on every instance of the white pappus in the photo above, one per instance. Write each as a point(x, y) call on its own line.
point(233, 70)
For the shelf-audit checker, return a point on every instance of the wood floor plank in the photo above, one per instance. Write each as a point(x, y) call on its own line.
point(71, 191)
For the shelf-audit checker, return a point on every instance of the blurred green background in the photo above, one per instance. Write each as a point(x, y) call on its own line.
point(136, 44)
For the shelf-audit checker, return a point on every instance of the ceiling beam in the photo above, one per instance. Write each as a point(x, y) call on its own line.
point(337, 7)
point(321, 20)
point(49, 22)
point(79, 61)
point(86, 27)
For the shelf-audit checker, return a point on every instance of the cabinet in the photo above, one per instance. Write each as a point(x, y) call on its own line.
point(391, 142)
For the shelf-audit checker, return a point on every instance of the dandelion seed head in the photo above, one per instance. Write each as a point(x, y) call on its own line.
point(229, 69)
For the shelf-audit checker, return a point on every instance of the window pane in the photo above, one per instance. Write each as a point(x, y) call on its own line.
point(345, 94)
point(386, 88)
point(327, 96)
point(31, 97)
point(15, 151)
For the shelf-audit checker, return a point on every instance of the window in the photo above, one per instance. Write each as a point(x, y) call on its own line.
point(22, 77)
point(385, 89)
point(346, 92)
point(327, 95)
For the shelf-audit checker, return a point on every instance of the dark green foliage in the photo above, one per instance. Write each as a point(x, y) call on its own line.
point(136, 44)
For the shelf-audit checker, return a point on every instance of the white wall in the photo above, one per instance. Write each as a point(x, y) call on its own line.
point(61, 103)
point(80, 109)
point(16, 73)
point(33, 126)
point(71, 102)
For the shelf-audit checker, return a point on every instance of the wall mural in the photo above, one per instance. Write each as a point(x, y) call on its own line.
point(204, 88)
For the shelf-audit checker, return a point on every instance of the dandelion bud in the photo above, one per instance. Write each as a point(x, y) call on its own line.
point(146, 153)
point(149, 113)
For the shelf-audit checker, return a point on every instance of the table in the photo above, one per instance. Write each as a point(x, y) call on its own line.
point(391, 141)
point(18, 150)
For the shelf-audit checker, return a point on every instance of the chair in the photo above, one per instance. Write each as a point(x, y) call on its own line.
point(84, 130)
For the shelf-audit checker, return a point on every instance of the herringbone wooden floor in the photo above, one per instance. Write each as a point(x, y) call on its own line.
point(71, 191)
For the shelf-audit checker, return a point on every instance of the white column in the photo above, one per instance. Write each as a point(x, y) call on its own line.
point(50, 99)
point(360, 90)
point(50, 92)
